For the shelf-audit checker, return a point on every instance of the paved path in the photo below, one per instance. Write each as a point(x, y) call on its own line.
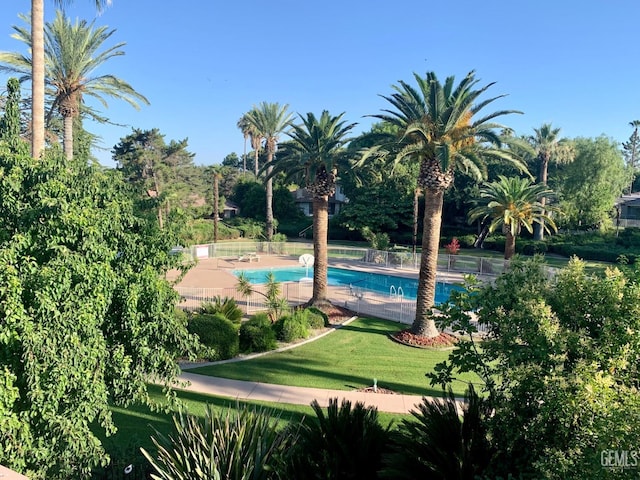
point(242, 390)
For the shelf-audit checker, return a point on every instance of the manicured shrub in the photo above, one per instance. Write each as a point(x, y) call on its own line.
point(257, 334)
point(317, 311)
point(315, 318)
point(291, 327)
point(217, 334)
point(344, 442)
point(227, 306)
point(238, 444)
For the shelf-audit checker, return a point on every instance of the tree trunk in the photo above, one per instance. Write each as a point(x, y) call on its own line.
point(509, 245)
point(538, 228)
point(269, 213)
point(255, 161)
point(423, 324)
point(216, 206)
point(320, 239)
point(68, 137)
point(416, 198)
point(37, 78)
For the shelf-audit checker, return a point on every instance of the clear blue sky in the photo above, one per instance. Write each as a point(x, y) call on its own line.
point(203, 63)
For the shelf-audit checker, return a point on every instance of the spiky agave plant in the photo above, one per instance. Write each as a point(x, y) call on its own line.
point(239, 444)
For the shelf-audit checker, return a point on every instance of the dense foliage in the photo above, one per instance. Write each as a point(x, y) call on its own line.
point(560, 366)
point(86, 314)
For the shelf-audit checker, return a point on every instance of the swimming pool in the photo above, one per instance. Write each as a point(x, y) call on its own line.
point(376, 282)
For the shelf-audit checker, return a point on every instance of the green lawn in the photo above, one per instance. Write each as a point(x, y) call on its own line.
point(347, 359)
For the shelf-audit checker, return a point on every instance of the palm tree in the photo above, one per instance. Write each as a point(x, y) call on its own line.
point(38, 71)
point(513, 203)
point(72, 55)
point(437, 130)
point(269, 120)
point(245, 127)
point(548, 147)
point(313, 156)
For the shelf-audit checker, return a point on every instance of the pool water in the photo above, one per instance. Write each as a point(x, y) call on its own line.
point(357, 280)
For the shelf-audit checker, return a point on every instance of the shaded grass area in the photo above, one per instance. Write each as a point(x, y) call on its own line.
point(137, 423)
point(348, 359)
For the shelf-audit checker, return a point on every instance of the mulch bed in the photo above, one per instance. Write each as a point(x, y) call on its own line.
point(337, 315)
point(380, 390)
point(444, 340)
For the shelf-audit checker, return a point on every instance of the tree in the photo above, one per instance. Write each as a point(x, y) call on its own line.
point(437, 130)
point(38, 72)
point(269, 121)
point(72, 54)
point(512, 203)
point(158, 170)
point(313, 156)
point(10, 122)
point(216, 202)
point(559, 364)
point(548, 148)
point(589, 186)
point(631, 149)
point(245, 128)
point(87, 317)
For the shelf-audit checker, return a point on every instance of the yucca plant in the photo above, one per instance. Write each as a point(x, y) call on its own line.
point(441, 442)
point(239, 444)
point(344, 443)
point(227, 306)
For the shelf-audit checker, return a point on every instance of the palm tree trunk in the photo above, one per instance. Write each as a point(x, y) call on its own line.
point(416, 198)
point(68, 137)
point(538, 228)
point(320, 239)
point(269, 189)
point(37, 78)
point(424, 324)
point(255, 161)
point(509, 245)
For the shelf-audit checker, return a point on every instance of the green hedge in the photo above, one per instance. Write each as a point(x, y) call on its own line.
point(291, 327)
point(257, 334)
point(217, 334)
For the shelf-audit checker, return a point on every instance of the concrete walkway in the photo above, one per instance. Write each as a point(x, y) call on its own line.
point(242, 390)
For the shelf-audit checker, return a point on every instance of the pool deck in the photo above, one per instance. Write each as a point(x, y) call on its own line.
point(217, 272)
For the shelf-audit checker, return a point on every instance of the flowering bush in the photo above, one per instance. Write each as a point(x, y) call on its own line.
point(454, 247)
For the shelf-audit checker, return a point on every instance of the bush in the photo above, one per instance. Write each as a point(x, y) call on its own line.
point(346, 442)
point(242, 444)
point(291, 327)
point(531, 247)
point(316, 318)
point(217, 334)
point(257, 334)
point(226, 306)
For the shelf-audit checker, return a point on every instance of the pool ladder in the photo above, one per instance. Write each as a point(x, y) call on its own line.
point(396, 293)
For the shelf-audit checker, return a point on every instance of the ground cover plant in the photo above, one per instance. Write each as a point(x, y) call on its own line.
point(347, 359)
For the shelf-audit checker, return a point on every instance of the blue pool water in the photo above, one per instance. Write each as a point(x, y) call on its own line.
point(358, 280)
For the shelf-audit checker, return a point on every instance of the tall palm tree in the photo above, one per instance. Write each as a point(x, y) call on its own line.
point(38, 71)
point(438, 131)
point(269, 120)
point(548, 146)
point(72, 54)
point(513, 203)
point(313, 156)
point(245, 127)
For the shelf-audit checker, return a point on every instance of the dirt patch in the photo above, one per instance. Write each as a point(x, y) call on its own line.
point(380, 390)
point(337, 315)
point(444, 340)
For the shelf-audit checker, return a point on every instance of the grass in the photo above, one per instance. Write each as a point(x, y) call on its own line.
point(348, 359)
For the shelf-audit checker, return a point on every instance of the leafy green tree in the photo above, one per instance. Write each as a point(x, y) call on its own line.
point(590, 184)
point(437, 130)
point(631, 150)
point(72, 54)
point(87, 317)
point(10, 121)
point(512, 203)
point(158, 170)
point(559, 365)
point(313, 157)
point(548, 147)
point(268, 121)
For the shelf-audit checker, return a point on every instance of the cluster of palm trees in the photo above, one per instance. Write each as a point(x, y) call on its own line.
point(437, 126)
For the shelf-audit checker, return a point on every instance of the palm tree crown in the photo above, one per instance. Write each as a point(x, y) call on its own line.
point(513, 203)
point(72, 54)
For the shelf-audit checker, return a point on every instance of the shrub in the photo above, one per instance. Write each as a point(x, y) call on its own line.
point(453, 247)
point(257, 334)
point(242, 444)
point(317, 311)
point(315, 318)
point(226, 306)
point(346, 442)
point(217, 334)
point(291, 327)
